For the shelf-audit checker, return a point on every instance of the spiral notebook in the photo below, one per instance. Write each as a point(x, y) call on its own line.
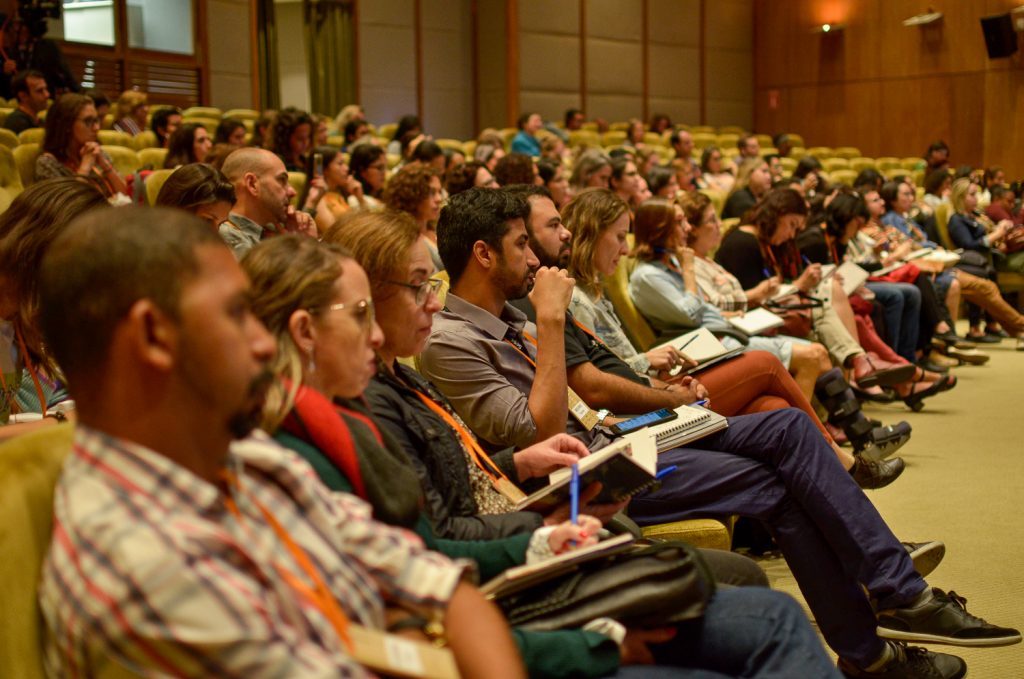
point(692, 423)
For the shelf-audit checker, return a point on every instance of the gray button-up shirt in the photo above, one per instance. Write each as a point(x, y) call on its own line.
point(487, 379)
point(242, 234)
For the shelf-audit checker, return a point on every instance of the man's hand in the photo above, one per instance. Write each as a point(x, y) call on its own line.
point(634, 650)
point(552, 292)
point(690, 388)
point(299, 222)
point(810, 278)
point(540, 459)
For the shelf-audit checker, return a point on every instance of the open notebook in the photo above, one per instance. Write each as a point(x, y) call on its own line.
point(702, 346)
point(691, 423)
point(853, 276)
point(757, 321)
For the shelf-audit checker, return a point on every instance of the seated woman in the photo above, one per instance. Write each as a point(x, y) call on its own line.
point(369, 165)
point(339, 186)
point(978, 244)
point(131, 112)
point(190, 143)
point(316, 301)
point(592, 169)
point(201, 190)
point(70, 147)
point(753, 181)
point(467, 176)
point(715, 170)
point(416, 190)
point(627, 183)
point(30, 385)
point(662, 182)
point(291, 137)
point(230, 131)
point(765, 248)
point(555, 180)
point(845, 215)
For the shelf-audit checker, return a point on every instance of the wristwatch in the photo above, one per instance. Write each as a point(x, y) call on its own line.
point(602, 415)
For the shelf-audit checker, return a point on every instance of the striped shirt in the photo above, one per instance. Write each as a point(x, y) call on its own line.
point(148, 570)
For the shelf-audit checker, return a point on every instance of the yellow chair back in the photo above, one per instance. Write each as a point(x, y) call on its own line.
point(25, 159)
point(153, 157)
point(33, 135)
point(298, 182)
point(616, 287)
point(126, 161)
point(942, 214)
point(155, 182)
point(30, 465)
point(145, 140)
point(8, 138)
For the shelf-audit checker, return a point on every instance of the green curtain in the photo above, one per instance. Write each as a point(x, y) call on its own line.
point(270, 75)
point(330, 55)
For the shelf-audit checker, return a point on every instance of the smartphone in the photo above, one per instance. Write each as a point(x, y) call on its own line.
point(318, 165)
point(651, 418)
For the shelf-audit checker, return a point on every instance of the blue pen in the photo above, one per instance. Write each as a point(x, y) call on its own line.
point(767, 273)
point(574, 495)
point(665, 472)
point(703, 402)
point(807, 262)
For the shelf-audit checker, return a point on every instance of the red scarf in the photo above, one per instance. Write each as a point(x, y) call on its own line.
point(319, 422)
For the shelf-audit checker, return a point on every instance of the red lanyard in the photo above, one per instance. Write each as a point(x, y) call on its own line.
point(31, 371)
point(319, 595)
point(587, 330)
point(832, 247)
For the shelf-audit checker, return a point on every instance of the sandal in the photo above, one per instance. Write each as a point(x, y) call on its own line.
point(915, 399)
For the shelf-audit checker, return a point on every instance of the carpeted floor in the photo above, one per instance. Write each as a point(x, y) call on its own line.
point(964, 485)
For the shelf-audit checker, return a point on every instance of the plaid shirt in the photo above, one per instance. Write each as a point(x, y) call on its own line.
point(149, 571)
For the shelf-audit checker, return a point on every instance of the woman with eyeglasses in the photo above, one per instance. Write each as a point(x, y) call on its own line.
point(70, 146)
point(714, 170)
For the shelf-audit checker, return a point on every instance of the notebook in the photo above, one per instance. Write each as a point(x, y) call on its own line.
point(691, 423)
point(624, 468)
point(757, 321)
point(702, 346)
point(521, 577)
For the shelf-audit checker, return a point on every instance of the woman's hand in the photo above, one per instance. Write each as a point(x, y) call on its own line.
point(1002, 228)
point(668, 358)
point(353, 187)
point(568, 536)
point(90, 154)
point(317, 189)
point(809, 279)
point(764, 290)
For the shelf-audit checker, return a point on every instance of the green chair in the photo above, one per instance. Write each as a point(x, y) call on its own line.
point(125, 160)
point(30, 465)
point(153, 157)
point(10, 178)
point(154, 182)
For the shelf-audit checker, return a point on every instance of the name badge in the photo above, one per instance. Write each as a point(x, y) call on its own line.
point(583, 413)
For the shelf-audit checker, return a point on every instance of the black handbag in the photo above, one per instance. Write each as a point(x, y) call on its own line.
point(652, 586)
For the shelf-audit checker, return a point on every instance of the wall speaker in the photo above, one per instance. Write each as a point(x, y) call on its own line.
point(1000, 38)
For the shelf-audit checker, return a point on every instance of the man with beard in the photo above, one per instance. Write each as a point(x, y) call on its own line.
point(263, 200)
point(178, 549)
point(506, 377)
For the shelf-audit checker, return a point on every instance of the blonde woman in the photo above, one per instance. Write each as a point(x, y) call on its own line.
point(753, 181)
point(131, 112)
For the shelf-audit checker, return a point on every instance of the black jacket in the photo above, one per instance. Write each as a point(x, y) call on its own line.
point(437, 454)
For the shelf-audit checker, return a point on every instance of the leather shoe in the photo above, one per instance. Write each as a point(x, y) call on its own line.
point(926, 555)
point(943, 619)
point(910, 662)
point(871, 474)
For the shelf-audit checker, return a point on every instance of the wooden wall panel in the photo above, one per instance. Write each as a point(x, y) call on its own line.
point(886, 88)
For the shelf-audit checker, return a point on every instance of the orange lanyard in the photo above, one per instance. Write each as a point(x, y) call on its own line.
point(522, 353)
point(832, 248)
point(319, 595)
point(479, 457)
point(587, 330)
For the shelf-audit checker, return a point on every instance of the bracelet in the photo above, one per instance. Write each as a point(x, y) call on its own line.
point(57, 415)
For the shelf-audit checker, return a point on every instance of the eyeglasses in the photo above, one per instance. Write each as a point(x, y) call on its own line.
point(362, 311)
point(431, 286)
point(90, 121)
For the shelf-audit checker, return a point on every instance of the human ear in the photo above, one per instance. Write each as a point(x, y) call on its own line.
point(303, 334)
point(153, 334)
point(483, 254)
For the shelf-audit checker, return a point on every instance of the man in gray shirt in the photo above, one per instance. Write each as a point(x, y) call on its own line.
point(263, 201)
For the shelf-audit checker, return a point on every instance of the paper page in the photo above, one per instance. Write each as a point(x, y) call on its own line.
point(757, 321)
point(700, 345)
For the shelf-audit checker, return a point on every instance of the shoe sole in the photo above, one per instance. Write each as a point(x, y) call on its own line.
point(927, 557)
point(971, 358)
point(887, 377)
point(899, 635)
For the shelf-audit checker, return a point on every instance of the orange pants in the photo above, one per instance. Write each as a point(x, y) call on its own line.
point(985, 294)
point(754, 382)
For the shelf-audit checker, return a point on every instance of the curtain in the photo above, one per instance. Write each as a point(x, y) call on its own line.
point(266, 45)
point(330, 55)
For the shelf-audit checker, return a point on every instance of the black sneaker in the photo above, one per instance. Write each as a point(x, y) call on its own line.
point(926, 555)
point(911, 662)
point(884, 441)
point(943, 620)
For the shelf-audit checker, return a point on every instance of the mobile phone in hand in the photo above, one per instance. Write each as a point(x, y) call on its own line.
point(647, 420)
point(318, 165)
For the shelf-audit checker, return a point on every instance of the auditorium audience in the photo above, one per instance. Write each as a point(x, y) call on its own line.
point(201, 190)
point(230, 131)
point(714, 171)
point(190, 143)
point(339, 186)
point(164, 122)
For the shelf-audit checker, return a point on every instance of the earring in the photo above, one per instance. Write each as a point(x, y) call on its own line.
point(311, 366)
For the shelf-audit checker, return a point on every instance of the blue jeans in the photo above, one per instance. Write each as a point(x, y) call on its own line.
point(777, 468)
point(901, 305)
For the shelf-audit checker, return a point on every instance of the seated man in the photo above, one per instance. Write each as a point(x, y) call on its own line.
point(525, 141)
point(263, 200)
point(29, 88)
point(506, 378)
point(179, 550)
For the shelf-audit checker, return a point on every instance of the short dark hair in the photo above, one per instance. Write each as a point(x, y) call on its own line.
point(548, 169)
point(526, 192)
point(805, 166)
point(426, 151)
point(406, 124)
point(363, 156)
point(658, 178)
point(934, 181)
point(351, 127)
point(159, 120)
point(936, 146)
point(889, 192)
point(226, 128)
point(870, 175)
point(475, 215)
point(462, 177)
point(118, 256)
point(769, 157)
point(193, 185)
point(843, 209)
point(19, 83)
point(97, 96)
point(523, 119)
point(570, 114)
point(515, 168)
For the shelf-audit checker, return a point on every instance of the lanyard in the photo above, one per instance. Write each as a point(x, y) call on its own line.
point(587, 330)
point(31, 371)
point(832, 247)
point(319, 595)
point(522, 353)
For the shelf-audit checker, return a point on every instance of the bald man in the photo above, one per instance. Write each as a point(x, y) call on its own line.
point(263, 201)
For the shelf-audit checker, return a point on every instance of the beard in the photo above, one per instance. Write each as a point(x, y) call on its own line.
point(559, 260)
point(512, 284)
point(242, 422)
